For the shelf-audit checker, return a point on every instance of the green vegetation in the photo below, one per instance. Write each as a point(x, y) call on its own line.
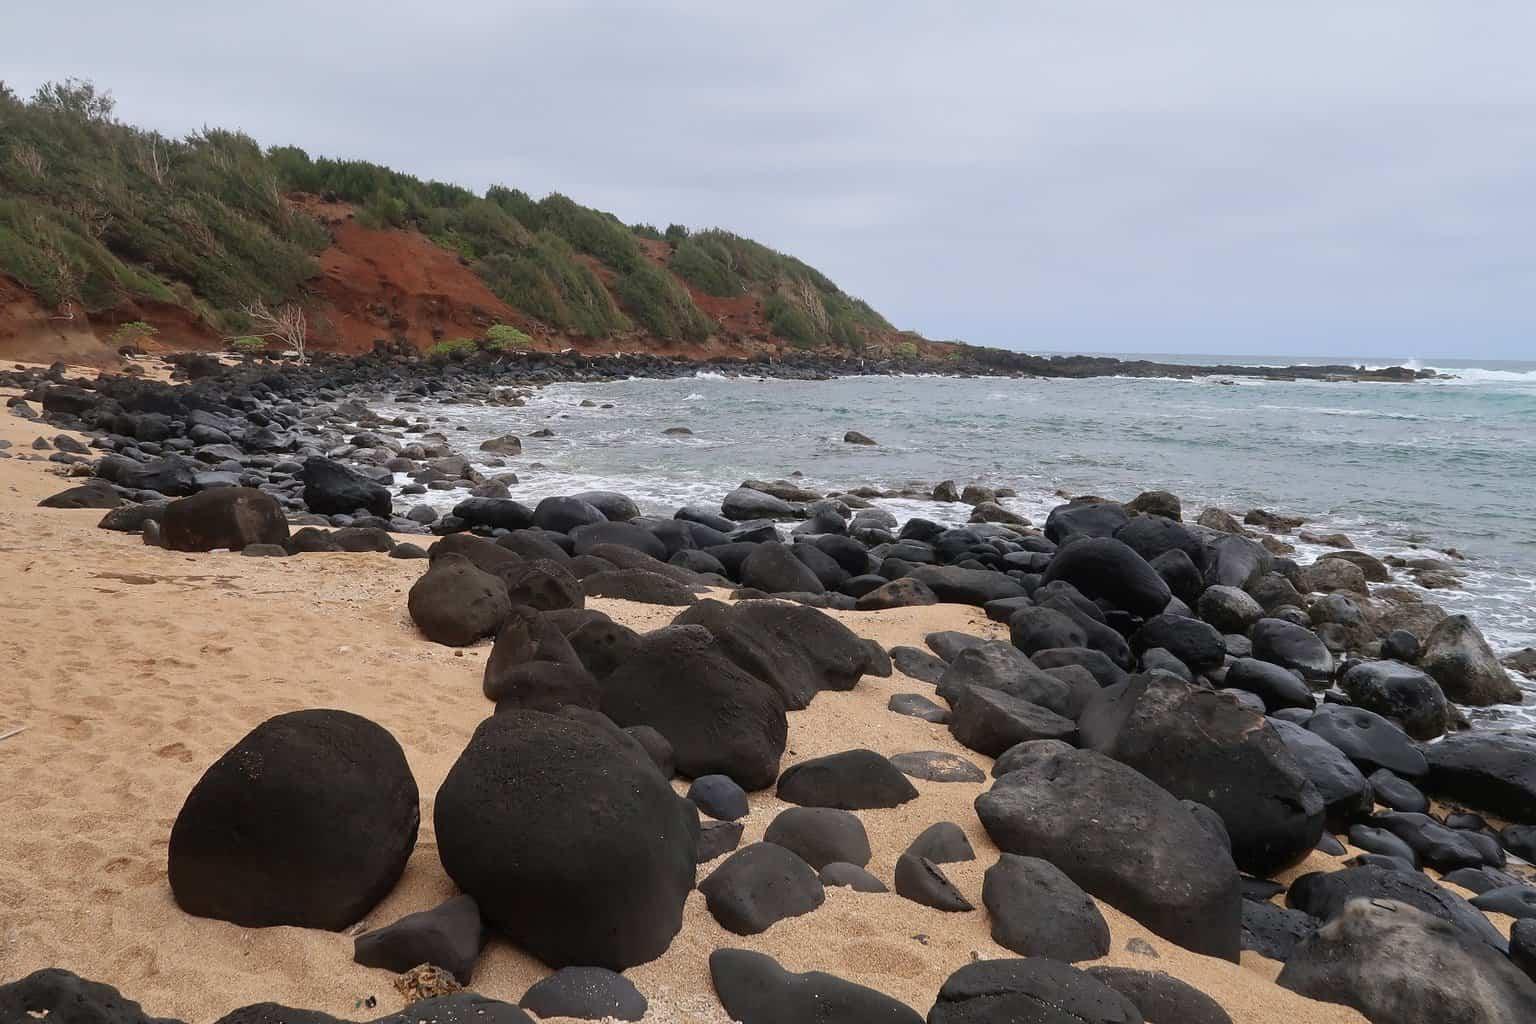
point(97, 214)
point(456, 348)
point(134, 333)
point(803, 305)
point(506, 338)
point(249, 345)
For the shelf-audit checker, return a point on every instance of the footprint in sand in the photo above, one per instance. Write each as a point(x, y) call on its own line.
point(177, 750)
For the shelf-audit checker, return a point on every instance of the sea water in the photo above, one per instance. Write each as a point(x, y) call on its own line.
point(1401, 468)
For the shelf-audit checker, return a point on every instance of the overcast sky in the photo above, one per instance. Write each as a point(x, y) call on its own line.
point(1310, 178)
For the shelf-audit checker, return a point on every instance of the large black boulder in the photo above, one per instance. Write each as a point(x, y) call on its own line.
point(562, 515)
point(774, 569)
point(799, 651)
point(1400, 692)
point(1369, 740)
point(1345, 792)
point(1291, 646)
point(720, 719)
point(573, 846)
point(995, 665)
point(957, 585)
point(308, 820)
point(1200, 745)
point(532, 665)
point(455, 603)
point(586, 993)
point(1325, 894)
point(332, 489)
point(1032, 990)
point(820, 836)
point(1084, 519)
point(1399, 965)
point(1103, 568)
point(496, 514)
point(1122, 838)
point(853, 780)
point(1035, 910)
point(990, 721)
point(1195, 643)
point(1278, 687)
point(226, 517)
point(754, 989)
point(173, 475)
point(1490, 770)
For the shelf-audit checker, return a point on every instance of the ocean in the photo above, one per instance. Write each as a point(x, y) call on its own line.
point(1400, 468)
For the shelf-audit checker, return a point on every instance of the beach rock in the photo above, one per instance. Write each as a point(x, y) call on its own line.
point(1161, 997)
point(995, 665)
point(745, 504)
point(574, 848)
point(1200, 746)
point(1344, 790)
point(1400, 645)
point(1103, 568)
point(1399, 692)
point(922, 881)
point(639, 586)
point(1396, 793)
point(563, 514)
point(1444, 849)
point(956, 585)
point(449, 936)
point(1039, 629)
point(589, 537)
point(495, 514)
point(1273, 931)
point(854, 437)
point(1383, 843)
point(308, 820)
point(1519, 840)
point(760, 885)
point(1031, 990)
point(1084, 519)
point(1294, 647)
point(1369, 740)
point(332, 489)
point(943, 842)
point(1123, 839)
point(229, 517)
point(851, 876)
point(948, 643)
point(754, 989)
point(1278, 687)
point(1195, 643)
point(918, 664)
point(1517, 901)
point(718, 718)
point(60, 997)
point(1372, 957)
point(1325, 895)
point(852, 780)
point(617, 507)
point(1331, 575)
point(1234, 561)
point(455, 1008)
point(603, 646)
point(1156, 503)
point(820, 836)
point(1179, 571)
point(989, 721)
point(1230, 610)
point(716, 839)
point(172, 476)
point(1461, 661)
point(1035, 909)
point(915, 705)
point(1494, 771)
point(91, 494)
point(719, 797)
point(586, 993)
point(533, 666)
point(1104, 671)
point(796, 650)
point(938, 766)
point(455, 604)
point(902, 593)
point(774, 569)
point(544, 584)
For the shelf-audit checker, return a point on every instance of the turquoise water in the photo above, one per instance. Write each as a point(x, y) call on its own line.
point(1436, 464)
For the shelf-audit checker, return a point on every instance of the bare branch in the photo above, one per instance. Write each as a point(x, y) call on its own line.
point(287, 324)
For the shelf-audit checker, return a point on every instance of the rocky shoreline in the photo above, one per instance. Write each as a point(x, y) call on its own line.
point(1174, 717)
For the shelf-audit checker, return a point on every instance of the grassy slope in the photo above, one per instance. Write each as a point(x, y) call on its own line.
point(109, 220)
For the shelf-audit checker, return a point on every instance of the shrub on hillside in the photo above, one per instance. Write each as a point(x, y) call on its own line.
point(132, 334)
point(659, 304)
point(506, 338)
point(545, 279)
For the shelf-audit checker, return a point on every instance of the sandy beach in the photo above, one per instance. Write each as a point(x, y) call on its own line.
point(131, 669)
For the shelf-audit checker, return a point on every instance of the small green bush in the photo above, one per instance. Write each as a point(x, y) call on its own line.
point(456, 349)
point(506, 338)
point(135, 332)
point(661, 305)
point(905, 350)
point(249, 345)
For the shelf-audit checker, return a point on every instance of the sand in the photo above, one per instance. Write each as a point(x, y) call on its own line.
point(132, 669)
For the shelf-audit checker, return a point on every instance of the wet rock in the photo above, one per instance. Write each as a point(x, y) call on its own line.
point(1369, 740)
point(1460, 660)
point(1294, 647)
point(1490, 770)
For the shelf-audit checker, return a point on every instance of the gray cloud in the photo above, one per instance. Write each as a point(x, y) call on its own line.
point(1194, 175)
